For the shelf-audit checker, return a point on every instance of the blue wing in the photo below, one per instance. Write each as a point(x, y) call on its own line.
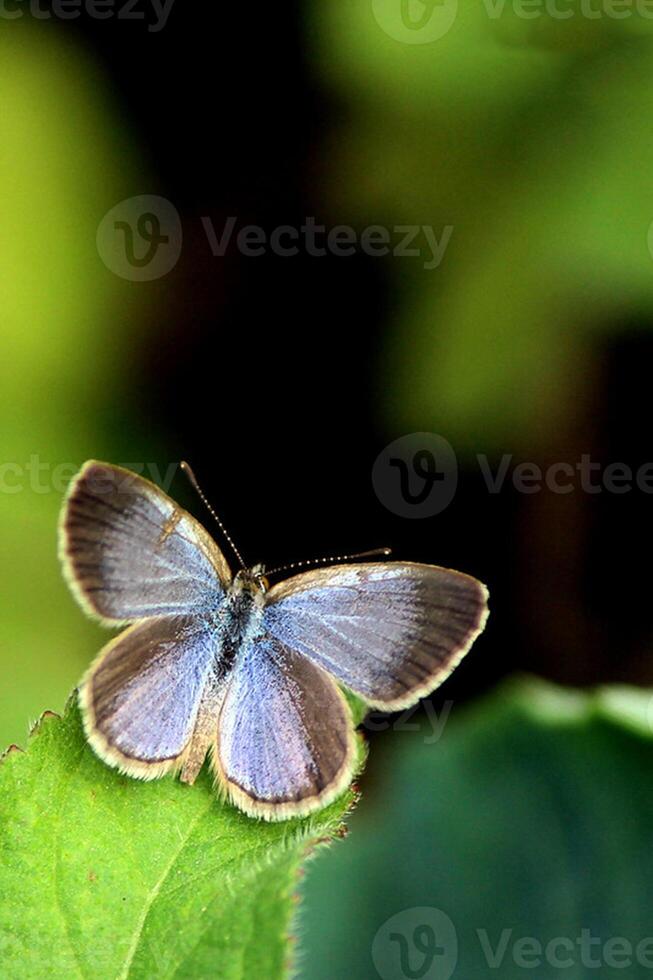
point(390, 632)
point(141, 698)
point(130, 552)
point(285, 743)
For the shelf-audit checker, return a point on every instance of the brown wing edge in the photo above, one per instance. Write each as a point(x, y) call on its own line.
point(108, 753)
point(286, 810)
point(207, 543)
point(434, 680)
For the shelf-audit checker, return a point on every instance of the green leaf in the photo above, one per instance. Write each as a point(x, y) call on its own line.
point(532, 813)
point(103, 876)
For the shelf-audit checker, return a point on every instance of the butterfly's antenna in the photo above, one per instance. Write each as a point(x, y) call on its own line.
point(329, 560)
point(193, 480)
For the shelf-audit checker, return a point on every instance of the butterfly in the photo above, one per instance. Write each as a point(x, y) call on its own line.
point(222, 664)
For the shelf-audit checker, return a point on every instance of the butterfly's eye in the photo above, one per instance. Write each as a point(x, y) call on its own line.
point(259, 578)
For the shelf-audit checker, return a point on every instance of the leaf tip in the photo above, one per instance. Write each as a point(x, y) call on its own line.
point(11, 750)
point(45, 716)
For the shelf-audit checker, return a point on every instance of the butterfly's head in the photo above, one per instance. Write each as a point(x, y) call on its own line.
point(251, 580)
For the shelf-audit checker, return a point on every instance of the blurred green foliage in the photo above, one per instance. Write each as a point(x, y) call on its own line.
point(532, 138)
point(65, 329)
point(532, 813)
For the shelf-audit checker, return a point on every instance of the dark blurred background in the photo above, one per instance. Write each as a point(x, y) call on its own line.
point(282, 378)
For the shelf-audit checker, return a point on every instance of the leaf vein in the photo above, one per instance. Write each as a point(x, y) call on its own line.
point(154, 893)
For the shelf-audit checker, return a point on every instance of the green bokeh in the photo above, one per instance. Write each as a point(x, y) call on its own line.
point(67, 324)
point(531, 814)
point(532, 138)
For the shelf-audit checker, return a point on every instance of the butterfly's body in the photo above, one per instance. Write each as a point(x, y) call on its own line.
point(234, 625)
point(227, 664)
point(237, 621)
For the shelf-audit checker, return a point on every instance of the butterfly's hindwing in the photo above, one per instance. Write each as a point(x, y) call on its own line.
point(142, 695)
point(285, 743)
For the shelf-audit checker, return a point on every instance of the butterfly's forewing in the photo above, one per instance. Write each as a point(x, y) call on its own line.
point(142, 695)
point(130, 552)
point(390, 632)
point(285, 742)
